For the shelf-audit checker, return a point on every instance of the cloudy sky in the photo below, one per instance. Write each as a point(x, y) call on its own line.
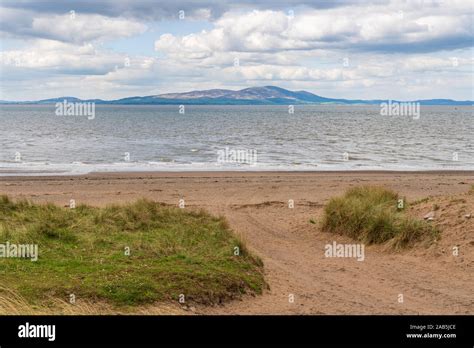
point(405, 50)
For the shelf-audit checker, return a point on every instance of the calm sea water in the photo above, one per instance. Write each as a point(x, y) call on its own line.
point(34, 140)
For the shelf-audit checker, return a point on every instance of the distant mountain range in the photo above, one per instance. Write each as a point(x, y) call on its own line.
point(268, 95)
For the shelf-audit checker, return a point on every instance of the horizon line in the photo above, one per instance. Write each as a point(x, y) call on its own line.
point(231, 90)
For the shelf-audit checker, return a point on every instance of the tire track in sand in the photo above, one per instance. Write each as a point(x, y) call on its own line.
point(293, 254)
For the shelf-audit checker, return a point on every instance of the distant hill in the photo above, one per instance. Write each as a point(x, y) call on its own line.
point(268, 95)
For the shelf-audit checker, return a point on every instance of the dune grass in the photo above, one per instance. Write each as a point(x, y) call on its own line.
point(83, 251)
point(372, 215)
point(11, 303)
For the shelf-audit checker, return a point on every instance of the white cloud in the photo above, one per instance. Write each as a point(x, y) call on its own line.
point(79, 28)
point(59, 57)
point(70, 27)
point(373, 28)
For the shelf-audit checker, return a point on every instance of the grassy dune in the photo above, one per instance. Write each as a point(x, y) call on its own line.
point(83, 251)
point(373, 215)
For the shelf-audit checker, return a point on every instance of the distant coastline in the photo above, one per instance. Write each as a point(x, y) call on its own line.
point(268, 95)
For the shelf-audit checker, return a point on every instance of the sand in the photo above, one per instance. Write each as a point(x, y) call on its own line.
point(301, 279)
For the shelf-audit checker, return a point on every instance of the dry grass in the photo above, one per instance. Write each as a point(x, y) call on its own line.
point(11, 303)
point(371, 215)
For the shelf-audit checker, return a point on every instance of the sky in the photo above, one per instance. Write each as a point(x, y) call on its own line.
point(404, 50)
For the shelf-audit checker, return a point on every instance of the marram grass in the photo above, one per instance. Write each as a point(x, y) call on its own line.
point(373, 215)
point(124, 255)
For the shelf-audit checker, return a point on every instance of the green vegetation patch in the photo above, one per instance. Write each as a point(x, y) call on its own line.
point(375, 215)
point(126, 255)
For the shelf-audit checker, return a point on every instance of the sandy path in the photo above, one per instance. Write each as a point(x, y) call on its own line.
point(256, 205)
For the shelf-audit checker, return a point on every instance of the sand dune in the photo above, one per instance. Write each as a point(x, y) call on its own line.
point(431, 279)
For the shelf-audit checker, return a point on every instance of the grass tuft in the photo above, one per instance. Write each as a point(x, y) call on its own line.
point(372, 215)
point(82, 252)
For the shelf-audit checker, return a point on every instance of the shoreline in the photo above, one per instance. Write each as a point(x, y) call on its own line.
point(15, 176)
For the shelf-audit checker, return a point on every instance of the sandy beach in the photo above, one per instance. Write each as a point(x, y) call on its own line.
point(431, 279)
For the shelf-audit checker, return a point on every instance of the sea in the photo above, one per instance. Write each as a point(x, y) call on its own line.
point(35, 140)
